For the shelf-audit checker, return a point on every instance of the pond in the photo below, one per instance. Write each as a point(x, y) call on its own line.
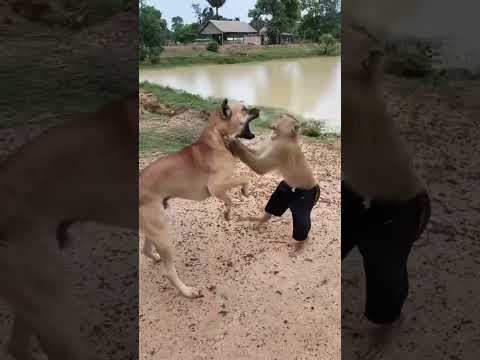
point(310, 87)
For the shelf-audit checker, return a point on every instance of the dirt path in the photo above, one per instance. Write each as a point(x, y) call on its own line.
point(262, 300)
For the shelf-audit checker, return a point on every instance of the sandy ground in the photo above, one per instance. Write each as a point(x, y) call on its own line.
point(441, 314)
point(262, 299)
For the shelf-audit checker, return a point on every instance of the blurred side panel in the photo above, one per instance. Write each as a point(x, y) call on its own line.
point(410, 223)
point(69, 179)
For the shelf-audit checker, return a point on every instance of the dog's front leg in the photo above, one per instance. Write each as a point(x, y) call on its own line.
point(150, 251)
point(219, 188)
point(223, 196)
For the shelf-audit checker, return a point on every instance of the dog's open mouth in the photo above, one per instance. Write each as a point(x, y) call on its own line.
point(246, 133)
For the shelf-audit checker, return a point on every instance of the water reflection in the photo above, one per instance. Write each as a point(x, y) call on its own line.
point(310, 87)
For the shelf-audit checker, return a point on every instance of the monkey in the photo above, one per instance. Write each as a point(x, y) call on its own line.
point(385, 204)
point(299, 191)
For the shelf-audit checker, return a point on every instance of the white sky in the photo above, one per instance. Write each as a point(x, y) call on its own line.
point(183, 8)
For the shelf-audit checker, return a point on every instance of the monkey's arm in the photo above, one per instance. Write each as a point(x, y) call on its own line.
point(261, 163)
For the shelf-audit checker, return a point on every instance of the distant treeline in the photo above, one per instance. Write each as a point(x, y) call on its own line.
point(310, 20)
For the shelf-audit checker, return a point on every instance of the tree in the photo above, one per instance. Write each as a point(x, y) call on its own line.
point(321, 16)
point(216, 4)
point(185, 33)
point(177, 21)
point(278, 15)
point(198, 12)
point(257, 24)
point(153, 30)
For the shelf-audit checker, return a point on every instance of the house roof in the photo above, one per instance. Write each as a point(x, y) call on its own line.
point(230, 26)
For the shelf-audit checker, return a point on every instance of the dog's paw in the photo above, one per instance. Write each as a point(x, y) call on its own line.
point(227, 215)
point(153, 256)
point(258, 226)
point(192, 293)
point(245, 190)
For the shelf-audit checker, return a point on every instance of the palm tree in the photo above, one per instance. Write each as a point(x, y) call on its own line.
point(216, 4)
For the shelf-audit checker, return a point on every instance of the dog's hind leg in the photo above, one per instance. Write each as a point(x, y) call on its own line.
point(166, 252)
point(44, 303)
point(153, 223)
point(57, 328)
point(19, 346)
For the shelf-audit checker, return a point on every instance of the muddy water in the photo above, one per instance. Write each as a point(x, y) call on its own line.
point(308, 87)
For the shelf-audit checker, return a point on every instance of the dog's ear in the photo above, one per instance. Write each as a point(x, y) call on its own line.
point(227, 113)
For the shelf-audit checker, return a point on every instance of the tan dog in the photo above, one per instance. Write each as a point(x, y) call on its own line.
point(82, 170)
point(197, 172)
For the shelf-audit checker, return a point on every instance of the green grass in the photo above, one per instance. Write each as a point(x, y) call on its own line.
point(179, 99)
point(156, 139)
point(241, 56)
point(152, 140)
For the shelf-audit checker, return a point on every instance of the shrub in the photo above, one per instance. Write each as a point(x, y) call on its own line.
point(311, 128)
point(212, 46)
point(142, 53)
point(154, 54)
point(328, 42)
point(327, 39)
point(409, 57)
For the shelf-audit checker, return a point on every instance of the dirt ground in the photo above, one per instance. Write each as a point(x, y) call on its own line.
point(440, 124)
point(263, 300)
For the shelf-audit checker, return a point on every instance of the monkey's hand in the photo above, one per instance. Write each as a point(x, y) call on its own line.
point(234, 145)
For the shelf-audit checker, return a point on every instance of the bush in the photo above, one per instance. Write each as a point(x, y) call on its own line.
point(409, 58)
point(212, 46)
point(154, 54)
point(311, 128)
point(142, 53)
point(327, 39)
point(328, 42)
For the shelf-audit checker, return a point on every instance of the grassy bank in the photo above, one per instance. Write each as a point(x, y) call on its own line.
point(158, 137)
point(186, 56)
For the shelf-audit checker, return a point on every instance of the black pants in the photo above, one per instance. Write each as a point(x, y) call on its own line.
point(384, 234)
point(300, 202)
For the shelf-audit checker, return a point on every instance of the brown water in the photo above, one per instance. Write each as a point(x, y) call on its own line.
point(308, 87)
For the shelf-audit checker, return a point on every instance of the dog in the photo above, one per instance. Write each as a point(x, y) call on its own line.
point(197, 172)
point(82, 170)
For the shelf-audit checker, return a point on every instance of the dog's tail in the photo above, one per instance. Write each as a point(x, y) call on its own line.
point(165, 202)
point(63, 238)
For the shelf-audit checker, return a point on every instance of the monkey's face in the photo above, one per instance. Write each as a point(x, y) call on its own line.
point(285, 128)
point(239, 118)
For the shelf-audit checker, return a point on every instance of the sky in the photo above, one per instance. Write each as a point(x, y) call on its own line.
point(231, 9)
